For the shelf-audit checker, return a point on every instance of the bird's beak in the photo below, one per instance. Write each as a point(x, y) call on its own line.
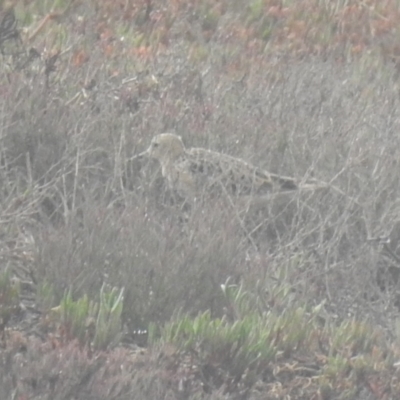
point(141, 155)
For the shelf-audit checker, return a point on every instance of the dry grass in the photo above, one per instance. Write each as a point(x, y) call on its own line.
point(309, 90)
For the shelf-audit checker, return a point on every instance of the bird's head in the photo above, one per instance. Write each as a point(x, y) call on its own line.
point(165, 147)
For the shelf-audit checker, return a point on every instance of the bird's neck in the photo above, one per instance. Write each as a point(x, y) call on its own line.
point(170, 158)
point(167, 165)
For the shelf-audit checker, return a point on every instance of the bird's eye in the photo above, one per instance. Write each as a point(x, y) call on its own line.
point(155, 144)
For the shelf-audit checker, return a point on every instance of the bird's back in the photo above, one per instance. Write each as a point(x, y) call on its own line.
point(210, 171)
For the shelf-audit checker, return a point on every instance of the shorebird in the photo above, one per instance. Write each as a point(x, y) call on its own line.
point(195, 172)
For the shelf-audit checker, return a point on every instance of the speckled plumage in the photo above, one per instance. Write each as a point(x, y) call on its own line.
point(196, 171)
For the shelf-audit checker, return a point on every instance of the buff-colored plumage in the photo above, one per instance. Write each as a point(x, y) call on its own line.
point(195, 172)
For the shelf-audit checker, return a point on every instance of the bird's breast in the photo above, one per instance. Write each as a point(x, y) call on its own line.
point(178, 179)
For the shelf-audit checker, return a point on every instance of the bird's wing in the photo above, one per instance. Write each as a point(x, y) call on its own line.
point(233, 174)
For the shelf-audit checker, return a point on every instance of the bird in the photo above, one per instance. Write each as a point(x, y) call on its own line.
point(196, 172)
